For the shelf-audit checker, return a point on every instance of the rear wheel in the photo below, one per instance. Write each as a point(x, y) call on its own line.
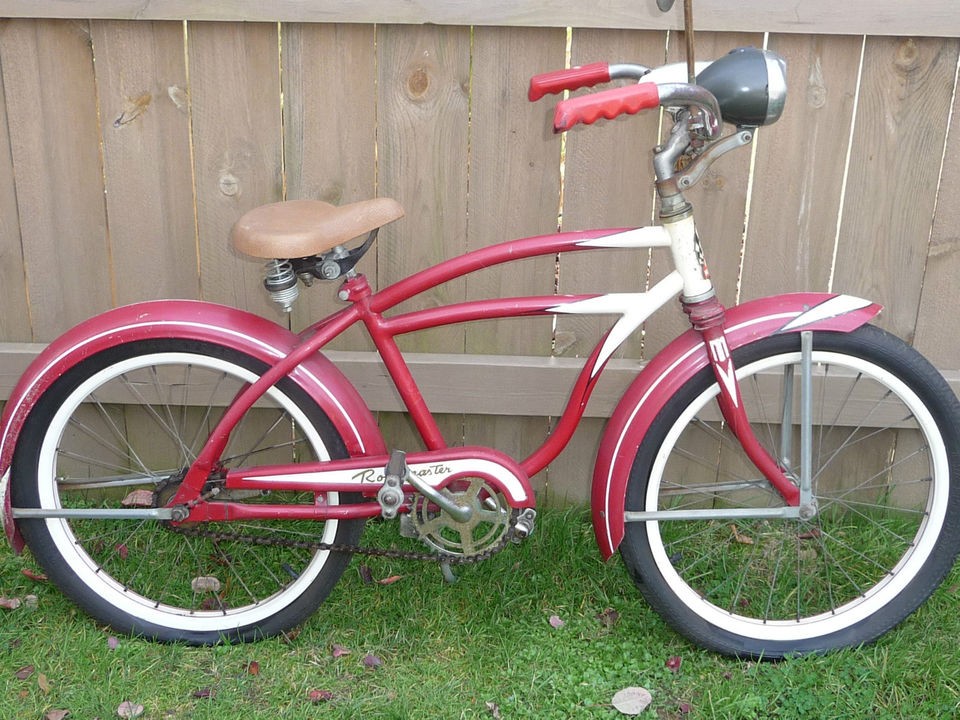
point(885, 478)
point(117, 431)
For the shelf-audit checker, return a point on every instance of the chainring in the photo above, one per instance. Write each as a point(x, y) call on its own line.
point(488, 526)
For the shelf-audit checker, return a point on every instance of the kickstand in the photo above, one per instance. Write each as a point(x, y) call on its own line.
point(448, 575)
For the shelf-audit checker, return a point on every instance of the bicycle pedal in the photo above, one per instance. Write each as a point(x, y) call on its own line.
point(448, 575)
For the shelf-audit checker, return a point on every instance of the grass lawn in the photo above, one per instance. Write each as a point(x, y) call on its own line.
point(484, 647)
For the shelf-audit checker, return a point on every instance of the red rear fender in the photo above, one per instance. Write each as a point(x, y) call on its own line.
point(192, 320)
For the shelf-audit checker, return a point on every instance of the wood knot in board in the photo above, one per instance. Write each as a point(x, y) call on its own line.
point(908, 55)
point(816, 96)
point(816, 88)
point(178, 96)
point(132, 109)
point(945, 247)
point(418, 83)
point(332, 192)
point(229, 184)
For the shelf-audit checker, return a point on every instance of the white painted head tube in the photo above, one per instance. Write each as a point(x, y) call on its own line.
point(688, 258)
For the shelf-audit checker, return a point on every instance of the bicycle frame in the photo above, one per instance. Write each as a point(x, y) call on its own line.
point(368, 308)
point(438, 466)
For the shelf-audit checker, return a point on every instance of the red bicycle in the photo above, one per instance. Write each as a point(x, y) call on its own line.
point(781, 478)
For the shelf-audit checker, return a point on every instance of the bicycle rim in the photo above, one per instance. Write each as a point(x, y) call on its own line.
point(121, 438)
point(882, 485)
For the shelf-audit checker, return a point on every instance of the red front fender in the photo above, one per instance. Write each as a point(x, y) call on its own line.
point(192, 320)
point(680, 361)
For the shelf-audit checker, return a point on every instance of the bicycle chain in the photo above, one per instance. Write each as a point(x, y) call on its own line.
point(391, 553)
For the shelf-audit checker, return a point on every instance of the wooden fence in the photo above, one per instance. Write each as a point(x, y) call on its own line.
point(132, 135)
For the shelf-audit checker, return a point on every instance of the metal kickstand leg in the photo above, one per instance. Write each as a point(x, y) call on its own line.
point(448, 575)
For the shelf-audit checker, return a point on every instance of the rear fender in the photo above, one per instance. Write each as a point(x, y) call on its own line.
point(675, 365)
point(192, 320)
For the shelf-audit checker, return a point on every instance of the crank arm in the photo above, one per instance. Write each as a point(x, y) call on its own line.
point(460, 513)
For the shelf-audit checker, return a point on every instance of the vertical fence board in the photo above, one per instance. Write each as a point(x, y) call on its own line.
point(799, 168)
point(608, 183)
point(330, 135)
point(52, 116)
point(938, 322)
point(423, 108)
point(423, 120)
point(15, 318)
point(514, 185)
point(515, 435)
point(901, 120)
point(141, 77)
point(514, 178)
point(235, 101)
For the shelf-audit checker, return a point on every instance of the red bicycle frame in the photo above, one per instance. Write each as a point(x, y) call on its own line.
point(369, 308)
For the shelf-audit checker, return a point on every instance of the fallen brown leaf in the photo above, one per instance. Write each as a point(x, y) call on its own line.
point(608, 618)
point(339, 650)
point(738, 537)
point(319, 696)
point(138, 498)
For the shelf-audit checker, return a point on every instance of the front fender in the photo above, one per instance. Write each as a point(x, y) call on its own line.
point(675, 365)
point(192, 320)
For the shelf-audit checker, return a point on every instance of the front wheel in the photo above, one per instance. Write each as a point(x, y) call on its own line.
point(117, 432)
point(886, 482)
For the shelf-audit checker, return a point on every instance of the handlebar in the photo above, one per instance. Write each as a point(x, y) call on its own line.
point(747, 85)
point(747, 88)
point(574, 78)
point(609, 104)
point(630, 100)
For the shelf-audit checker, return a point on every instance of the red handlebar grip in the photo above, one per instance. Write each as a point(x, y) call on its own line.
point(607, 103)
point(560, 80)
